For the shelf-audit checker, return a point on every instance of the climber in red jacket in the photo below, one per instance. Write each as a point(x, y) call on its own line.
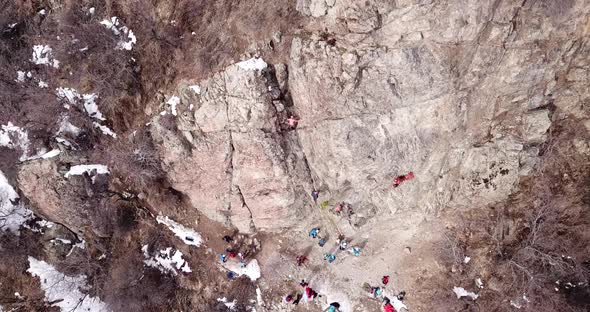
point(408, 176)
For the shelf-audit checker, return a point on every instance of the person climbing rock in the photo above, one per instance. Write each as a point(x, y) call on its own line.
point(303, 283)
point(231, 275)
point(288, 298)
point(334, 307)
point(397, 181)
point(315, 195)
point(301, 260)
point(292, 122)
point(242, 264)
point(314, 232)
point(223, 258)
point(322, 242)
point(385, 279)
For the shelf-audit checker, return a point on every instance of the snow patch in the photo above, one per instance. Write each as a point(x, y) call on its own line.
point(105, 130)
point(126, 37)
point(230, 305)
point(91, 107)
point(461, 292)
point(259, 297)
point(188, 235)
point(43, 84)
point(65, 292)
point(88, 100)
point(66, 127)
point(466, 260)
point(51, 154)
point(81, 169)
point(254, 63)
point(21, 75)
point(14, 137)
point(12, 212)
point(166, 261)
point(252, 269)
point(173, 102)
point(43, 55)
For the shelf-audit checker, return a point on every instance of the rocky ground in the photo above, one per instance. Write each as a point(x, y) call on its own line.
point(134, 135)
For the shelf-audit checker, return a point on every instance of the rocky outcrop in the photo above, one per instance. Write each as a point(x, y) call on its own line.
point(229, 152)
point(460, 93)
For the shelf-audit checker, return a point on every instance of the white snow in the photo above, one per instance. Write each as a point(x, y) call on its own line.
point(64, 291)
point(57, 240)
point(43, 84)
point(43, 55)
point(166, 261)
point(252, 269)
point(188, 235)
point(41, 12)
point(127, 38)
point(12, 215)
point(20, 76)
point(80, 169)
point(89, 101)
point(173, 102)
point(461, 292)
point(69, 94)
point(230, 305)
point(479, 283)
point(91, 10)
point(105, 130)
point(14, 137)
point(195, 88)
point(91, 107)
point(65, 142)
point(466, 260)
point(259, 297)
point(66, 127)
point(51, 154)
point(254, 63)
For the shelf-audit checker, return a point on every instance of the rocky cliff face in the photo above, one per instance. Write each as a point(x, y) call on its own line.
point(149, 130)
point(460, 93)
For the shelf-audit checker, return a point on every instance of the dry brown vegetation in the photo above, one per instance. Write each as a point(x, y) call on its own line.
point(535, 243)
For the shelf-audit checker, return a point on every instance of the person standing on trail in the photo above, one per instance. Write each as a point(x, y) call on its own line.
point(334, 307)
point(343, 244)
point(297, 299)
point(385, 279)
point(310, 294)
point(330, 257)
point(223, 258)
point(322, 242)
point(227, 238)
point(314, 232)
point(355, 251)
point(387, 307)
point(289, 298)
point(301, 260)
